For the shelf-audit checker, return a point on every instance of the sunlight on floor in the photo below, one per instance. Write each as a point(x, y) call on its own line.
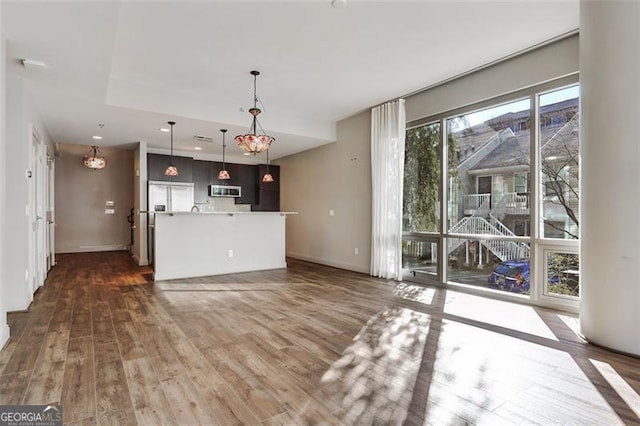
point(499, 313)
point(478, 362)
point(618, 384)
point(572, 322)
point(374, 377)
point(415, 293)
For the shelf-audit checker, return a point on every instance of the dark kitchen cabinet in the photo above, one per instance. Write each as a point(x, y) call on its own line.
point(267, 194)
point(157, 164)
point(201, 181)
point(243, 175)
point(261, 196)
point(248, 175)
point(234, 174)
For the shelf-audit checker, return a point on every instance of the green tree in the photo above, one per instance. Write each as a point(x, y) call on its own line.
point(422, 177)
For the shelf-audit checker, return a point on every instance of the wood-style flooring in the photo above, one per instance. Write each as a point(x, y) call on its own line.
point(305, 345)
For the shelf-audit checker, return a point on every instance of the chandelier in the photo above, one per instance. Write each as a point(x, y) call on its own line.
point(94, 160)
point(252, 142)
point(171, 169)
point(223, 174)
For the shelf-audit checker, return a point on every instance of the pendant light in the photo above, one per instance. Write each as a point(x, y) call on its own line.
point(253, 143)
point(94, 160)
point(267, 178)
point(223, 174)
point(171, 170)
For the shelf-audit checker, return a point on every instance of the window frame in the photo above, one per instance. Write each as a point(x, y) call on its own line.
point(537, 243)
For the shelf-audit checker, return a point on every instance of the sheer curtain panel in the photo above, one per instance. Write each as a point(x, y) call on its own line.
point(388, 125)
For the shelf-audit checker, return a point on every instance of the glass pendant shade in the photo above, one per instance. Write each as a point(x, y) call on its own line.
point(223, 174)
point(171, 169)
point(267, 178)
point(252, 142)
point(94, 160)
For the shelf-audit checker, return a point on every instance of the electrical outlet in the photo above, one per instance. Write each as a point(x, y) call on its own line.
point(332, 212)
point(109, 211)
point(356, 251)
point(230, 253)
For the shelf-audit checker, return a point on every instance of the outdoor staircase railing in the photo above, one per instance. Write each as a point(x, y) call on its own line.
point(476, 225)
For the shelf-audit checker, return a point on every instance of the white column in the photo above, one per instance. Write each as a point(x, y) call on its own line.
point(610, 180)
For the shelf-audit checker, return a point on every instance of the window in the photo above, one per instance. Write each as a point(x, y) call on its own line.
point(479, 196)
point(486, 185)
point(521, 227)
point(559, 163)
point(421, 194)
point(563, 274)
point(521, 183)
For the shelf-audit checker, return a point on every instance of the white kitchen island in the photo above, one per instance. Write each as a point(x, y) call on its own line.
point(193, 244)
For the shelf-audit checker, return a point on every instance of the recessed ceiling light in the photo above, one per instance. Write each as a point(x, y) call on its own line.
point(97, 137)
point(164, 129)
point(197, 148)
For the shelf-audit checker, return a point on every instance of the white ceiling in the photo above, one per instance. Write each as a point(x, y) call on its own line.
point(136, 65)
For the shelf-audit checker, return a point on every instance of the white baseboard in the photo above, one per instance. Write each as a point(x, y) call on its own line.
point(139, 262)
point(330, 262)
point(4, 334)
point(86, 249)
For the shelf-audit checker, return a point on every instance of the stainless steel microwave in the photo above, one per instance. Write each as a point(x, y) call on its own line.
point(225, 191)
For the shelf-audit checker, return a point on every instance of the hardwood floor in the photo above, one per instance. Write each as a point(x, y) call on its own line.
point(305, 345)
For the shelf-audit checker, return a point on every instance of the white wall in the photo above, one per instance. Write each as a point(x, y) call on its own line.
point(332, 177)
point(4, 328)
point(81, 197)
point(21, 114)
point(140, 204)
point(537, 66)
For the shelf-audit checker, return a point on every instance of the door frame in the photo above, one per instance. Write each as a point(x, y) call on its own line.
point(37, 183)
point(50, 212)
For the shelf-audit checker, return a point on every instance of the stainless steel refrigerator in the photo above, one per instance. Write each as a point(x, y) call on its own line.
point(170, 196)
point(166, 197)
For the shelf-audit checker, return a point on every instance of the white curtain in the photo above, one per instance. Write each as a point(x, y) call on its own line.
point(388, 125)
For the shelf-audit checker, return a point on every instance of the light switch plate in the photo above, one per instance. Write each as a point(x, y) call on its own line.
point(109, 211)
point(110, 203)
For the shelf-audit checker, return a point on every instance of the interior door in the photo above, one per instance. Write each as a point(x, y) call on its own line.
point(37, 258)
point(50, 223)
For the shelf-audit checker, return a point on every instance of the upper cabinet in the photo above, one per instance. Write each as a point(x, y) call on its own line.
point(261, 196)
point(248, 175)
point(157, 164)
point(267, 194)
point(201, 180)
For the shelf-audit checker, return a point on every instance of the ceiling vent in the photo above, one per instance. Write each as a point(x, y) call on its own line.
point(207, 139)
